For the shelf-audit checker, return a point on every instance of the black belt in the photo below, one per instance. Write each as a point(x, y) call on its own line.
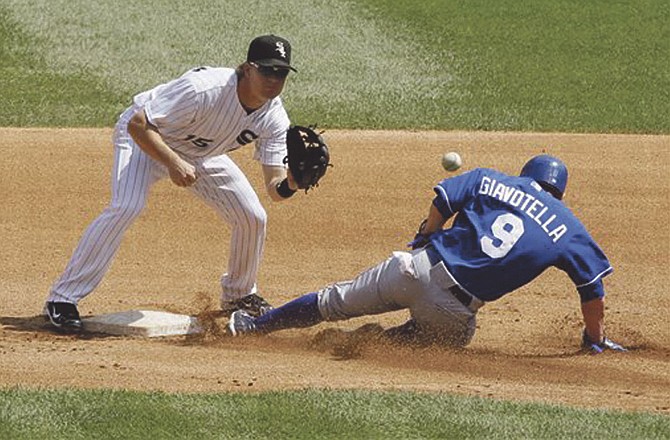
point(461, 295)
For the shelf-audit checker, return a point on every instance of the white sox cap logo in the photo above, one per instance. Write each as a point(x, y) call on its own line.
point(270, 51)
point(280, 48)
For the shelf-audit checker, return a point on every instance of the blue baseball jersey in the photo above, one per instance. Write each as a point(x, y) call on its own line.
point(507, 231)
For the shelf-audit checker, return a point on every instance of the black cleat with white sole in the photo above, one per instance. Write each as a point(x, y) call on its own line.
point(64, 316)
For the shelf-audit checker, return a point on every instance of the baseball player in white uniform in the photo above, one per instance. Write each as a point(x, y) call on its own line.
point(183, 130)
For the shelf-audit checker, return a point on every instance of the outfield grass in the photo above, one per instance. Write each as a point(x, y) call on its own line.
point(322, 414)
point(32, 93)
point(549, 65)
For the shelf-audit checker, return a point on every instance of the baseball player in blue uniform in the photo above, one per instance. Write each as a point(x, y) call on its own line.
point(507, 231)
point(183, 130)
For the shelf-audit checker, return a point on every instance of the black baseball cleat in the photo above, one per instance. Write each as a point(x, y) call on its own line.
point(64, 316)
point(253, 304)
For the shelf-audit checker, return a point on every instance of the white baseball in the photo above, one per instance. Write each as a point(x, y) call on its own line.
point(451, 161)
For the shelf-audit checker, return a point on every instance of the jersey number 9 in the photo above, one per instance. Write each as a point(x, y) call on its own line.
point(506, 229)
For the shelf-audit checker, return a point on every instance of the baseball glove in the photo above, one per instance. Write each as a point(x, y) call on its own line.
point(307, 156)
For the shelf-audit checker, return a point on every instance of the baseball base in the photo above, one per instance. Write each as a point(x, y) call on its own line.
point(146, 323)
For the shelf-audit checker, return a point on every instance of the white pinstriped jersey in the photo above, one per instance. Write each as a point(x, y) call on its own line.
point(199, 114)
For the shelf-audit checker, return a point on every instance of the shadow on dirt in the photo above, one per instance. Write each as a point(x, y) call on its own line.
point(39, 324)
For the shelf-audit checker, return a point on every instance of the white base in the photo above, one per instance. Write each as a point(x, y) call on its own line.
point(146, 323)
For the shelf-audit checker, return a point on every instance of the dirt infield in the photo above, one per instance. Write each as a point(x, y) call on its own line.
point(54, 182)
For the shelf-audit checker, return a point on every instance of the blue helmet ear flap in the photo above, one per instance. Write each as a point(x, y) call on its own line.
point(550, 172)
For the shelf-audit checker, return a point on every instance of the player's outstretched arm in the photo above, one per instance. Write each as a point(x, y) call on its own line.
point(594, 315)
point(278, 182)
point(429, 225)
point(593, 337)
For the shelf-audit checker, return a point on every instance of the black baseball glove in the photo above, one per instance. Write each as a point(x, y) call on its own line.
point(307, 157)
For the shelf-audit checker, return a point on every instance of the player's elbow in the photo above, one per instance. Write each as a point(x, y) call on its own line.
point(136, 125)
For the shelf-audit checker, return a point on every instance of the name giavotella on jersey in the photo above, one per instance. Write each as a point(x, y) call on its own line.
point(492, 247)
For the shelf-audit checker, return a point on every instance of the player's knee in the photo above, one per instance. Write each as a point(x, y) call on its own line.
point(256, 220)
point(333, 306)
point(125, 212)
point(330, 304)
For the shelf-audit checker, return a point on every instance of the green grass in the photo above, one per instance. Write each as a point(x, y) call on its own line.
point(568, 65)
point(309, 414)
point(549, 65)
point(32, 93)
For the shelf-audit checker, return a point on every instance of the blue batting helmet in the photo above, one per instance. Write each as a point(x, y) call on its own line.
point(548, 171)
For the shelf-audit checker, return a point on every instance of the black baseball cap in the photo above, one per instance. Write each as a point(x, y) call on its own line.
point(270, 51)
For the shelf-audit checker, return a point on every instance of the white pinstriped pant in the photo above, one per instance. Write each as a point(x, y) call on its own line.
point(221, 184)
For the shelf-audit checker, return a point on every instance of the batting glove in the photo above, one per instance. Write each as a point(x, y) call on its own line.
point(420, 240)
point(599, 347)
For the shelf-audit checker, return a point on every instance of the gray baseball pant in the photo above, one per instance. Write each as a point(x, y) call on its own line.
point(405, 281)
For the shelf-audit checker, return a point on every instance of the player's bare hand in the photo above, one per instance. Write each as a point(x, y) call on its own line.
point(182, 173)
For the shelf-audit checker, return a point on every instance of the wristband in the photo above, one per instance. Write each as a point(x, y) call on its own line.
point(283, 189)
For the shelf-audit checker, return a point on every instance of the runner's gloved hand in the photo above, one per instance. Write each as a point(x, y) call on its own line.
point(599, 347)
point(420, 240)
